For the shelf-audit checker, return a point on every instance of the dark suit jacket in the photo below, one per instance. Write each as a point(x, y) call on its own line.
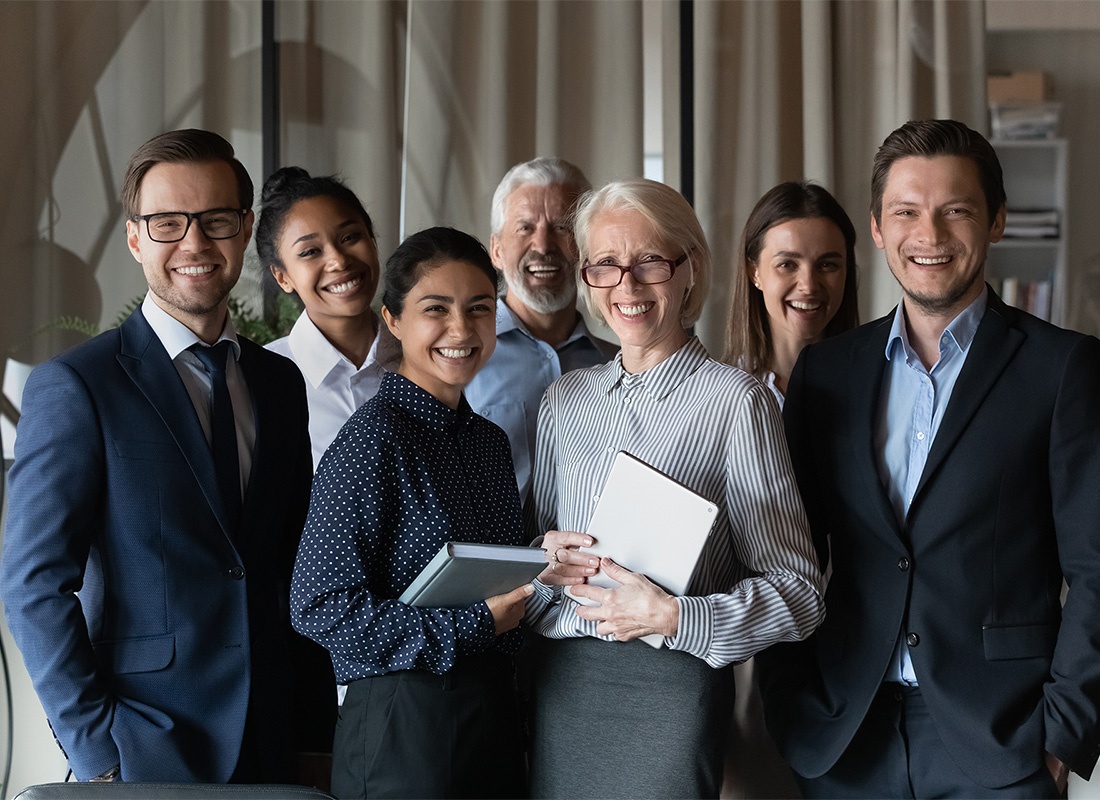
point(1008, 505)
point(145, 623)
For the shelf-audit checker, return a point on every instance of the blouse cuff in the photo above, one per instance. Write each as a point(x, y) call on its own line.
point(482, 630)
point(696, 629)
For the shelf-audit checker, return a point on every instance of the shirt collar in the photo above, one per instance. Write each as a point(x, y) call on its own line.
point(961, 329)
point(316, 356)
point(508, 321)
point(659, 381)
point(423, 405)
point(177, 337)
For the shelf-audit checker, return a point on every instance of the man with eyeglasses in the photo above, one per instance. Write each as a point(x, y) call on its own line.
point(160, 484)
point(540, 335)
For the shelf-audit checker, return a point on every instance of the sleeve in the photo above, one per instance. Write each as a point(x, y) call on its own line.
point(349, 525)
point(57, 484)
point(783, 600)
point(314, 706)
point(544, 604)
point(1072, 695)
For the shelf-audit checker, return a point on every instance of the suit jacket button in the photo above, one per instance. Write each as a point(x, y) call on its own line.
point(903, 564)
point(236, 573)
point(912, 640)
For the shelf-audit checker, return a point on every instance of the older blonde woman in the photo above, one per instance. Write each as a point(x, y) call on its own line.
point(612, 716)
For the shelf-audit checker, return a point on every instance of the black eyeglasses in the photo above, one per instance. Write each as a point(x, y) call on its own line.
point(172, 226)
point(604, 276)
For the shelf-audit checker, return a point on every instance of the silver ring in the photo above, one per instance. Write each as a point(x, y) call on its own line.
point(553, 556)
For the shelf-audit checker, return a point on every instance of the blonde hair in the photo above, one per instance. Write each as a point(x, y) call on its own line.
point(674, 221)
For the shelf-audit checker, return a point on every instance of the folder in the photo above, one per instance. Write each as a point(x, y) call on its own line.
point(464, 573)
point(650, 523)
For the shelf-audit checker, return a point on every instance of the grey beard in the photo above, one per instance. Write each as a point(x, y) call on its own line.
point(547, 301)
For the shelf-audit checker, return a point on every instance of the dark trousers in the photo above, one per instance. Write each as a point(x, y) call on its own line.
point(415, 734)
point(897, 753)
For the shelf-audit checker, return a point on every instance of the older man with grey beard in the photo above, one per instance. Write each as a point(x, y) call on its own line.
point(540, 335)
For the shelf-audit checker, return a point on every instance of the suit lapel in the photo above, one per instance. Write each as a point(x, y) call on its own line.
point(146, 362)
point(994, 345)
point(869, 365)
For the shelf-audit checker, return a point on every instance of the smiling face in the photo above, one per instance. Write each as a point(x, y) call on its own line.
point(801, 272)
point(935, 232)
point(645, 317)
point(535, 248)
point(328, 258)
point(447, 329)
point(190, 279)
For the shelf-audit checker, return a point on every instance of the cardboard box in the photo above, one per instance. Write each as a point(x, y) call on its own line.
point(1018, 87)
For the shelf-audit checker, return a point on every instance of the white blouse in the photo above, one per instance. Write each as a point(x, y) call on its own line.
point(335, 388)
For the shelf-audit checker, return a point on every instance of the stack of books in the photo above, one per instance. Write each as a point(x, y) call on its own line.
point(1032, 223)
point(1030, 296)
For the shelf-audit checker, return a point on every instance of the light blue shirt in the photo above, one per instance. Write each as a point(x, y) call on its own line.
point(509, 388)
point(911, 407)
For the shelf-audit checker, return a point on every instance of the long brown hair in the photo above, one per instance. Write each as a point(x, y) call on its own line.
point(748, 335)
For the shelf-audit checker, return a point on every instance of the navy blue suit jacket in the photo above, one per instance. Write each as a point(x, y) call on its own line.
point(1007, 506)
point(147, 626)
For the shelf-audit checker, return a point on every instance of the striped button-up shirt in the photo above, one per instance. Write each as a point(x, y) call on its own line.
point(717, 430)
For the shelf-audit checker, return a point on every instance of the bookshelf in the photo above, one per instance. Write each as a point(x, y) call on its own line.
point(1032, 255)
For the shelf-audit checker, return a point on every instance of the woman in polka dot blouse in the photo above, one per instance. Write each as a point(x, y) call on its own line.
point(431, 707)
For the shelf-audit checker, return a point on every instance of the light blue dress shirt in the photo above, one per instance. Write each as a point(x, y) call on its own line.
point(508, 389)
point(911, 407)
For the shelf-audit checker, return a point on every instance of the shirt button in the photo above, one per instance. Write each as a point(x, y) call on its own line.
point(626, 401)
point(903, 564)
point(236, 573)
point(611, 451)
point(912, 640)
point(920, 436)
point(595, 498)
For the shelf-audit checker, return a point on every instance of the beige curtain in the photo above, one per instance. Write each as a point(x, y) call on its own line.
point(84, 84)
point(51, 58)
point(342, 72)
point(491, 84)
point(810, 88)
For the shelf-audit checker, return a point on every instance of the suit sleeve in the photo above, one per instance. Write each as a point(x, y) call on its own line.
point(315, 686)
point(1072, 696)
point(56, 487)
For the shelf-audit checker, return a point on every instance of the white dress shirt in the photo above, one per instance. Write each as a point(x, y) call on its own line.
point(176, 338)
point(335, 387)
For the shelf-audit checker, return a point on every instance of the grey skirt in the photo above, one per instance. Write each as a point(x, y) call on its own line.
point(621, 719)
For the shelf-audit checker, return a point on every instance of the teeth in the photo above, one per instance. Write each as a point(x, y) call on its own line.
point(537, 268)
point(194, 270)
point(346, 286)
point(636, 310)
point(928, 262)
point(448, 352)
point(805, 306)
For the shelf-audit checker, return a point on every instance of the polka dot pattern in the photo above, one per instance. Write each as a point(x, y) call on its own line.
point(405, 475)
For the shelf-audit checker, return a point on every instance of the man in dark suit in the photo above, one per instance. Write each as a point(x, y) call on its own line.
point(146, 569)
point(949, 457)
